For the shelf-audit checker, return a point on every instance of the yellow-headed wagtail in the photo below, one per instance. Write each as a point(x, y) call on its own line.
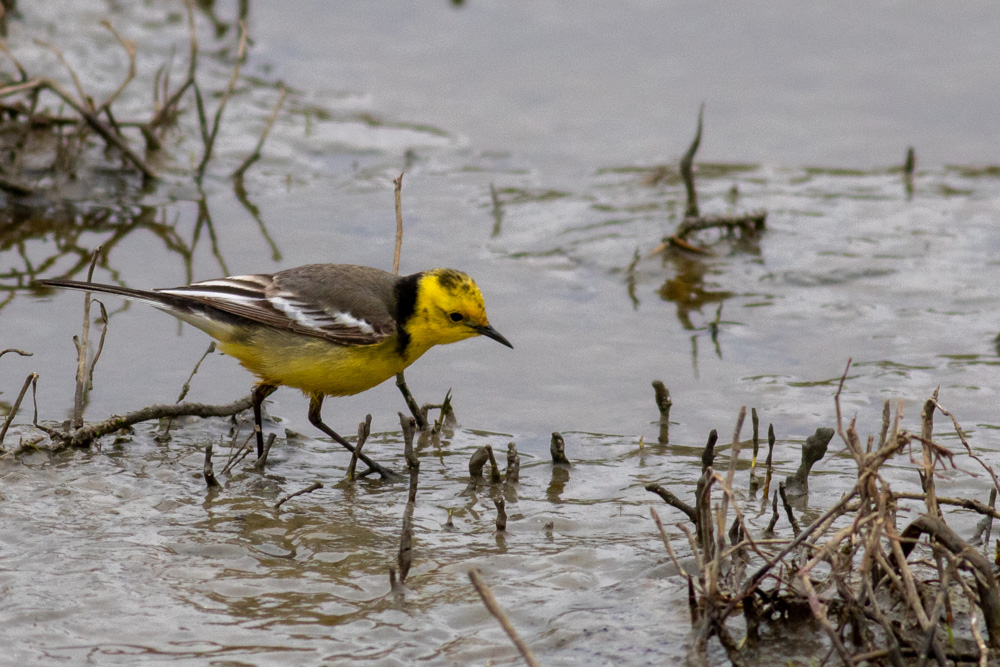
point(327, 329)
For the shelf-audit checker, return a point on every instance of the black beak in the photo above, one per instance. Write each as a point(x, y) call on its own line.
point(490, 332)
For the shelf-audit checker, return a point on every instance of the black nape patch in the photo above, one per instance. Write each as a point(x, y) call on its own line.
point(406, 304)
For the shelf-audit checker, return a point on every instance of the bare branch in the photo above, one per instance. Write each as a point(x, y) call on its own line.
point(84, 435)
point(110, 137)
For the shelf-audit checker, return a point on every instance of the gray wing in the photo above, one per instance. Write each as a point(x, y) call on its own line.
point(348, 305)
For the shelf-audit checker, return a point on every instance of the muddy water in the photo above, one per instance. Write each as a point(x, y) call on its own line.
point(119, 555)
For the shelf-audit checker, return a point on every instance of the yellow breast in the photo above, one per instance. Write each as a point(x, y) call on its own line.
point(315, 365)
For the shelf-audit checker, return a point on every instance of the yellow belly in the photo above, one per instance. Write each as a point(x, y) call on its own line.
point(317, 366)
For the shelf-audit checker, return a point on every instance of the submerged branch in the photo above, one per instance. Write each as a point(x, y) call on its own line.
point(749, 224)
point(687, 169)
point(309, 489)
point(672, 500)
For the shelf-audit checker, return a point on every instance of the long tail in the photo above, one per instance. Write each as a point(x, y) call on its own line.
point(155, 298)
point(216, 323)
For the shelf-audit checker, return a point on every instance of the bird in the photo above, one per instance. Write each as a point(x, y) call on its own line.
point(325, 329)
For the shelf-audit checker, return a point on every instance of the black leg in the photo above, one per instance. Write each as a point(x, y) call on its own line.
point(257, 396)
point(316, 419)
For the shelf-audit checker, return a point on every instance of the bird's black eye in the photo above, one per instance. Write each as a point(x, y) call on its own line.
point(456, 317)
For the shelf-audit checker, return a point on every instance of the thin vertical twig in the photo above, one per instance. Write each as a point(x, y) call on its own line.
point(261, 461)
point(100, 345)
point(208, 471)
point(411, 403)
point(398, 182)
point(768, 465)
point(501, 521)
point(497, 211)
point(788, 509)
point(404, 559)
point(909, 167)
point(187, 384)
point(81, 344)
point(666, 540)
point(687, 169)
point(491, 605)
point(364, 430)
point(926, 433)
point(408, 424)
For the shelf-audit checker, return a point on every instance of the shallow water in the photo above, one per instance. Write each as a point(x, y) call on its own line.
point(119, 555)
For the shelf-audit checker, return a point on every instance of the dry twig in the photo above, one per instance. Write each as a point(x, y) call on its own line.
point(749, 224)
point(32, 378)
point(398, 183)
point(82, 343)
point(491, 605)
point(364, 430)
point(261, 461)
point(419, 417)
point(84, 435)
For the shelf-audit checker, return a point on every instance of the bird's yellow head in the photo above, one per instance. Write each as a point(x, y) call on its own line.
point(449, 308)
